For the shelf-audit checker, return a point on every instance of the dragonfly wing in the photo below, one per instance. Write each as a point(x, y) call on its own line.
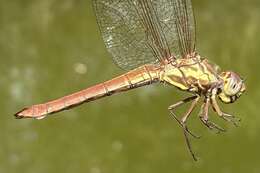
point(185, 26)
point(138, 32)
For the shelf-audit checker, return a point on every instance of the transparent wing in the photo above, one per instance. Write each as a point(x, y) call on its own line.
point(185, 26)
point(138, 32)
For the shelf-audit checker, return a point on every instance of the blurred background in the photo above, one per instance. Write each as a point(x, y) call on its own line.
point(49, 48)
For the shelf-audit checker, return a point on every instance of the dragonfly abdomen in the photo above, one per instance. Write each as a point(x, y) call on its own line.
point(141, 76)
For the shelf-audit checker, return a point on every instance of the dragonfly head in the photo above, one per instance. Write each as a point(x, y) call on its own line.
point(233, 87)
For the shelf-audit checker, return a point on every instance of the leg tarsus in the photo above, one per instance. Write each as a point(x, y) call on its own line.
point(205, 118)
point(212, 126)
point(189, 146)
point(184, 126)
point(191, 133)
point(231, 118)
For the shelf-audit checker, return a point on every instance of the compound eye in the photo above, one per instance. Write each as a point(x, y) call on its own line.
point(231, 87)
point(235, 87)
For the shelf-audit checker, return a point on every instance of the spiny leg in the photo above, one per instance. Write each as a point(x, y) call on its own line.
point(183, 120)
point(187, 114)
point(186, 132)
point(205, 118)
point(225, 116)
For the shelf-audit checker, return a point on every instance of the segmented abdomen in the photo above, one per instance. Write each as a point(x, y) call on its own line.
point(138, 77)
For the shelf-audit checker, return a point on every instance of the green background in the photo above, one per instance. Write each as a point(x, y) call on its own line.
point(49, 48)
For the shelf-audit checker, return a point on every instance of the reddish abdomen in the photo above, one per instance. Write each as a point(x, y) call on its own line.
point(139, 77)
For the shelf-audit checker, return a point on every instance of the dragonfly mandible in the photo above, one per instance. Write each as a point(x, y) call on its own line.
point(155, 41)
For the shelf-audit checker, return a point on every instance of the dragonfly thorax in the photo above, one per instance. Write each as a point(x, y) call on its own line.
point(191, 74)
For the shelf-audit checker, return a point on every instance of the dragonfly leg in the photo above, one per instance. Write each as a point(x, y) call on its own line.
point(205, 118)
point(225, 116)
point(183, 121)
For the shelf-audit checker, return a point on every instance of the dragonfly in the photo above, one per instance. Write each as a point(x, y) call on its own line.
point(155, 42)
